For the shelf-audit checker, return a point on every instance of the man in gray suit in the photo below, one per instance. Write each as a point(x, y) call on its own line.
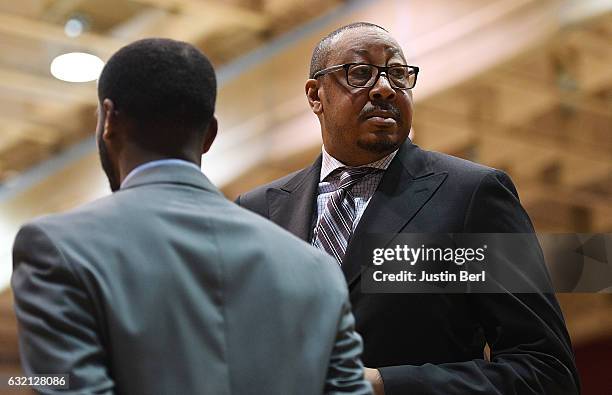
point(166, 287)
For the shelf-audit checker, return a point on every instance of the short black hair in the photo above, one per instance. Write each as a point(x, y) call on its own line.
point(321, 51)
point(167, 88)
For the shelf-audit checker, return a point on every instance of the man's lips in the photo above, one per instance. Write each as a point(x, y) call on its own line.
point(381, 114)
point(382, 118)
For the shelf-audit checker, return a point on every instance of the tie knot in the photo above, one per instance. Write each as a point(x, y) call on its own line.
point(349, 176)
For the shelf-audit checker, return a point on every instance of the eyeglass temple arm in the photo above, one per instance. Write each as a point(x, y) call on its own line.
point(328, 70)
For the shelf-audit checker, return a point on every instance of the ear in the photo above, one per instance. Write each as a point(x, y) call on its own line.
point(211, 133)
point(110, 119)
point(312, 94)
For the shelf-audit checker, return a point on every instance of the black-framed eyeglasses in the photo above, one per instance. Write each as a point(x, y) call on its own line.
point(365, 75)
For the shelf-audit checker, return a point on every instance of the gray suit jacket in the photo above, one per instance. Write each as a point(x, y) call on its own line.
point(166, 287)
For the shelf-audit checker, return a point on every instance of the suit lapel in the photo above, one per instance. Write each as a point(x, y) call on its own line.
point(291, 206)
point(406, 186)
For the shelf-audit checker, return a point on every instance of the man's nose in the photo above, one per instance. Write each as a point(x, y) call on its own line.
point(382, 90)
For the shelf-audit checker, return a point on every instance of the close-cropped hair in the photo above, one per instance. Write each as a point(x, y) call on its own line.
point(160, 85)
point(321, 51)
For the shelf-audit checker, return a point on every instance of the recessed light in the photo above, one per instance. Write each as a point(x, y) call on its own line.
point(77, 67)
point(74, 27)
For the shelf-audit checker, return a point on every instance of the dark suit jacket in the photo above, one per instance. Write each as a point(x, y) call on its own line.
point(166, 287)
point(433, 343)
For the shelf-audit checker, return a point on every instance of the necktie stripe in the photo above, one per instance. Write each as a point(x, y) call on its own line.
point(340, 217)
point(349, 207)
point(335, 226)
point(331, 230)
point(330, 245)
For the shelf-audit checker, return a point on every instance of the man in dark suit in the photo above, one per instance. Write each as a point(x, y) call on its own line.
point(166, 287)
point(371, 179)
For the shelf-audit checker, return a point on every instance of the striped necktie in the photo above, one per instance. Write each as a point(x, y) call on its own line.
point(334, 229)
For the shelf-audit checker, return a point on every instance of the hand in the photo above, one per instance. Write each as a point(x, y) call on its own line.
point(374, 377)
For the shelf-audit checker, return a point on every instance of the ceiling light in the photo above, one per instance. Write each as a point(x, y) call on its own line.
point(74, 27)
point(77, 67)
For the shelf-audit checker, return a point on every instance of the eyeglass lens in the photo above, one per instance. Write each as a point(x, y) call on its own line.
point(362, 75)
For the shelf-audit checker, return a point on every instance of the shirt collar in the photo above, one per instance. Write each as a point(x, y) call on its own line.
point(157, 163)
point(329, 163)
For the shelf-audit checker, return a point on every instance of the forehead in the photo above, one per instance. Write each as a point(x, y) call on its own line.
point(365, 42)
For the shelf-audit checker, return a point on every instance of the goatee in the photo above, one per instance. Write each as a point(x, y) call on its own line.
point(379, 146)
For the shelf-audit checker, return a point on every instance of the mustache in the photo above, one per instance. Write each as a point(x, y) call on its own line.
point(370, 108)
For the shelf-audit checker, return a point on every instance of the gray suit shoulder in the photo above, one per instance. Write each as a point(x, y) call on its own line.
point(70, 221)
point(290, 252)
point(97, 223)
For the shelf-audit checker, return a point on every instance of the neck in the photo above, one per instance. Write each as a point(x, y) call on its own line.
point(357, 159)
point(135, 156)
